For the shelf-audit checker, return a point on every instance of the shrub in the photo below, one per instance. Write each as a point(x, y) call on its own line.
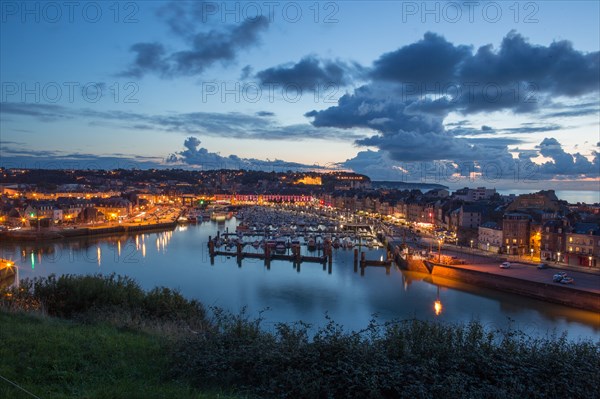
point(117, 299)
point(404, 359)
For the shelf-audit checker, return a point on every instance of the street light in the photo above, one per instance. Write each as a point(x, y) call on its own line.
point(558, 257)
point(590, 259)
point(531, 250)
point(440, 250)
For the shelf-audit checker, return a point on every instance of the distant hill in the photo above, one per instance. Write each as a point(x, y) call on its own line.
point(400, 185)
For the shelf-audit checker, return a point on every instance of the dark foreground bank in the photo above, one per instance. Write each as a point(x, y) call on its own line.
point(121, 341)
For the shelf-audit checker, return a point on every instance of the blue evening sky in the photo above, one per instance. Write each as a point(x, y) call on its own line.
point(163, 68)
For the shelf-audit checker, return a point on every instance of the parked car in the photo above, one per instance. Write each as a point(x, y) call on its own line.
point(505, 265)
point(559, 276)
point(542, 266)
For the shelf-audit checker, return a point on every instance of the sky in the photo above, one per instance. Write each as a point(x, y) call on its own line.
point(497, 94)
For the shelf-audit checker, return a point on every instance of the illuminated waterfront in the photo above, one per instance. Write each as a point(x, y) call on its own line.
point(179, 259)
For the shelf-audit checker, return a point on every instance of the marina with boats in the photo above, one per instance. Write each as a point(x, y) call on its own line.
point(286, 235)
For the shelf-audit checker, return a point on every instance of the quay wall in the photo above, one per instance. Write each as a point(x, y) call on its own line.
point(549, 292)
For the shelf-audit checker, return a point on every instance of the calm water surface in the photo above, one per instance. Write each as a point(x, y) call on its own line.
point(179, 259)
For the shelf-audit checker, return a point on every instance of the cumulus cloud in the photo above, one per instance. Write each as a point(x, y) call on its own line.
point(405, 103)
point(432, 59)
point(518, 76)
point(563, 163)
point(196, 156)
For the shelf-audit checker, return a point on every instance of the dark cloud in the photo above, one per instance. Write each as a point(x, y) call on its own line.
point(246, 72)
point(519, 76)
point(204, 50)
point(183, 17)
point(149, 58)
point(573, 112)
point(265, 113)
point(432, 59)
point(407, 115)
point(371, 107)
point(311, 73)
point(557, 69)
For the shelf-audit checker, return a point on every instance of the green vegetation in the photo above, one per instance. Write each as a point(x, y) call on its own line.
point(54, 358)
point(124, 342)
point(410, 359)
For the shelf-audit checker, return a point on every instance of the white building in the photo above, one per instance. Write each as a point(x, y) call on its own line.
point(490, 237)
point(474, 194)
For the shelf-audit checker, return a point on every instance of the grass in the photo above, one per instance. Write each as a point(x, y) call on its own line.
point(55, 358)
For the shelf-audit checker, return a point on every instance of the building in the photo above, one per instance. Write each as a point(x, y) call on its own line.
point(489, 237)
point(553, 239)
point(515, 233)
point(474, 194)
point(469, 217)
point(583, 245)
point(114, 208)
point(465, 217)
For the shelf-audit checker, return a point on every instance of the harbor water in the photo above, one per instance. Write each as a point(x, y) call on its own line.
point(180, 259)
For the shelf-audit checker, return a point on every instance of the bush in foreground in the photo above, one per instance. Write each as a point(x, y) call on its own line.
point(410, 359)
point(115, 299)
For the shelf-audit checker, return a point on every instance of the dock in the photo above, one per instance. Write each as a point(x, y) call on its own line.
point(270, 253)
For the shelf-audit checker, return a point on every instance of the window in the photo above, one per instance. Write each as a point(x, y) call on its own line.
point(570, 239)
point(559, 230)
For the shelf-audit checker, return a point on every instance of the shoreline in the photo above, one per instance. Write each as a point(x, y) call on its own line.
point(476, 275)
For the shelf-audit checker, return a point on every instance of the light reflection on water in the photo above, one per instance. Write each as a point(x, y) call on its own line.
point(179, 259)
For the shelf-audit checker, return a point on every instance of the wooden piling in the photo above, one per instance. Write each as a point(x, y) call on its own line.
point(211, 247)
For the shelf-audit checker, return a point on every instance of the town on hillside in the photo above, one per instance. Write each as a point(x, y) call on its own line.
point(537, 226)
